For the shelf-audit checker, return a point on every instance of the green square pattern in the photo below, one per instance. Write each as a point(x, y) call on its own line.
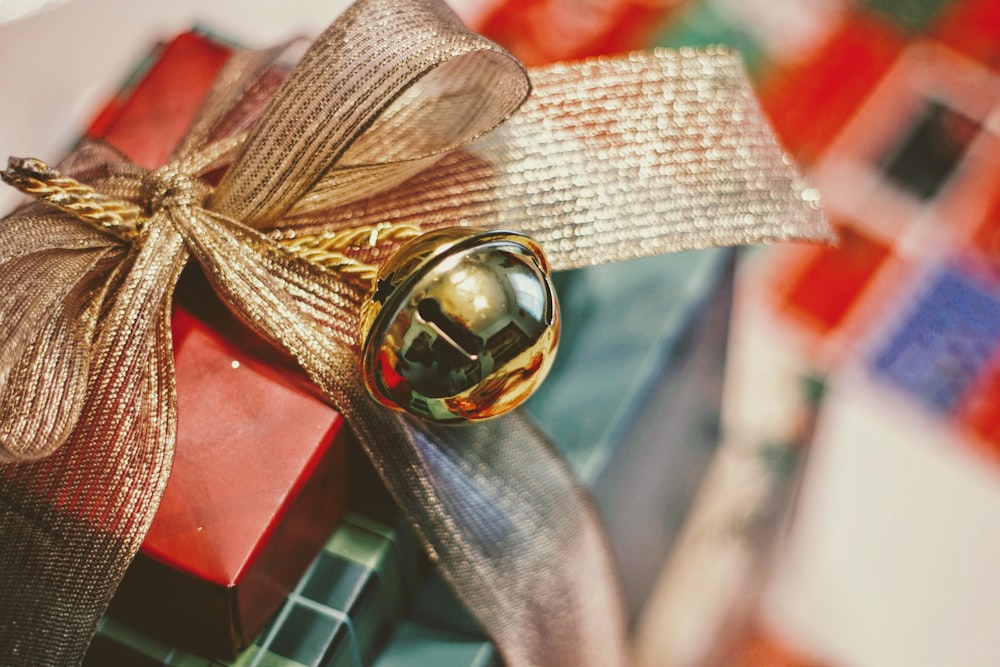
point(339, 615)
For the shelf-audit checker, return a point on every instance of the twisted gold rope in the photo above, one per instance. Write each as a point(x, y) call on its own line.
point(35, 178)
point(124, 218)
point(327, 248)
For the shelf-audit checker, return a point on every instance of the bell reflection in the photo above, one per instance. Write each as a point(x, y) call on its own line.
point(472, 322)
point(471, 332)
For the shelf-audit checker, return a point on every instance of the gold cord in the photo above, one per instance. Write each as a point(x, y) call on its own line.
point(124, 218)
point(328, 248)
point(35, 178)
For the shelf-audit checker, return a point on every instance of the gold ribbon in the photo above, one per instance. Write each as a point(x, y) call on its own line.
point(610, 159)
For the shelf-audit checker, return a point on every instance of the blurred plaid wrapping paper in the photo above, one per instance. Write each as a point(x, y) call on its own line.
point(891, 106)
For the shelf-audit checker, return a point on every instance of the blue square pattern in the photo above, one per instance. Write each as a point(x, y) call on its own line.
point(944, 342)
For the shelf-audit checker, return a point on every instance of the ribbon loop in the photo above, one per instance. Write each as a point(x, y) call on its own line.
point(363, 100)
point(49, 305)
point(56, 272)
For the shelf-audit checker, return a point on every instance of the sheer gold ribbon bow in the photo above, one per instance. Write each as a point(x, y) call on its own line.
point(609, 159)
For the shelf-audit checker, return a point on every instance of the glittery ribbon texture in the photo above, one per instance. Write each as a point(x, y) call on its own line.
point(607, 160)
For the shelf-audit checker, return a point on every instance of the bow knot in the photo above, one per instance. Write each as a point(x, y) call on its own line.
point(171, 187)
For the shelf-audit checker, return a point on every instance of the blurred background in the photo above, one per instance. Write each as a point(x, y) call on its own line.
point(850, 512)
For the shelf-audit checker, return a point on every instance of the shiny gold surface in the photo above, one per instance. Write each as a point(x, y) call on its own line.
point(460, 325)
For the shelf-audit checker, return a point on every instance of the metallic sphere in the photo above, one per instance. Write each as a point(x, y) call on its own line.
point(460, 325)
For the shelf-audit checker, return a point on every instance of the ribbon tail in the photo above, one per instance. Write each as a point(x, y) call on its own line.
point(71, 523)
point(509, 527)
point(615, 158)
point(497, 509)
point(676, 154)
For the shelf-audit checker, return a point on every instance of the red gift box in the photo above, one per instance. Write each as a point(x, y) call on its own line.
point(259, 477)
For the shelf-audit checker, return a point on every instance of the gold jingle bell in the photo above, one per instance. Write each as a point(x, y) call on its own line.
point(460, 325)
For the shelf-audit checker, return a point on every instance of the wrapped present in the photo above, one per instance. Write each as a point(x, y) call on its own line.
point(296, 200)
point(259, 477)
point(636, 387)
point(608, 403)
point(644, 353)
point(223, 551)
point(193, 585)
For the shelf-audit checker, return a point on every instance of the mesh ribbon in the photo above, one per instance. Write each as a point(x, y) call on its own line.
point(610, 159)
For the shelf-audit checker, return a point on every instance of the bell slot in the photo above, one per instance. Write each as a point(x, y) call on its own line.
point(430, 312)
